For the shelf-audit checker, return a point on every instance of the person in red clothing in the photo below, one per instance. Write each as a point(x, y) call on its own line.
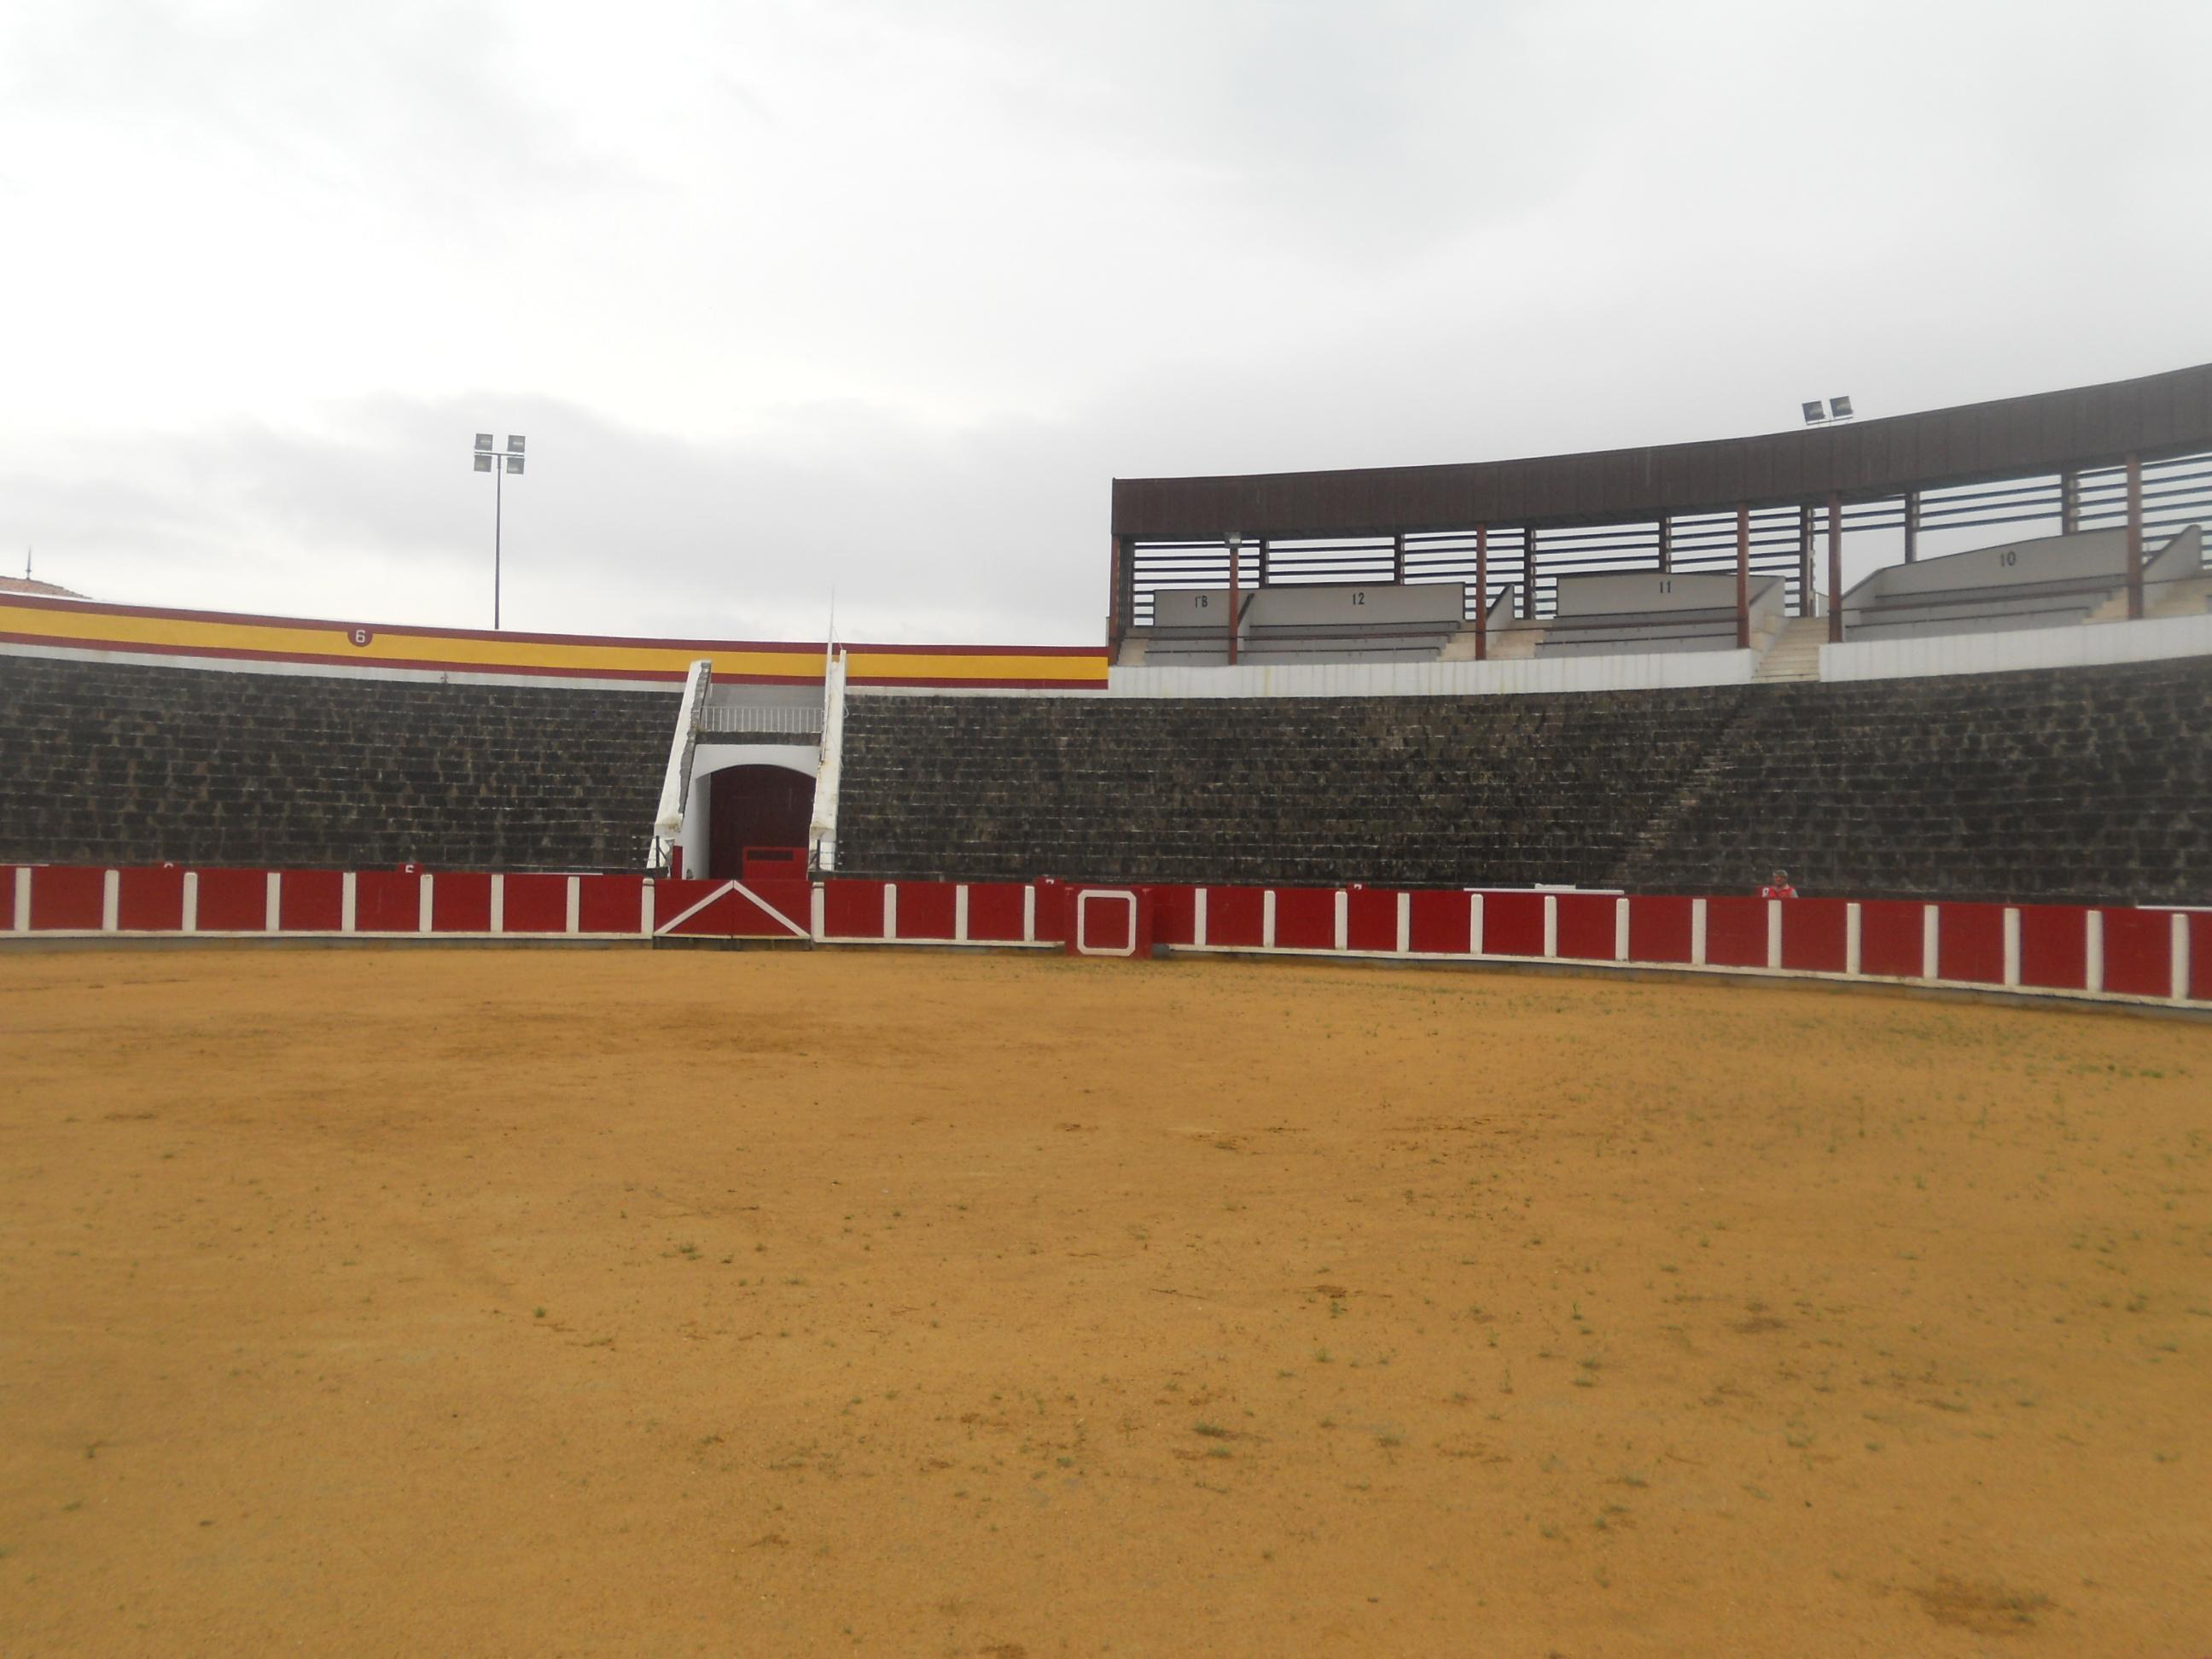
point(1777, 886)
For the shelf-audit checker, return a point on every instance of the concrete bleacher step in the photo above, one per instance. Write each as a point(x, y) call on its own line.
point(1513, 641)
point(2190, 597)
point(1795, 653)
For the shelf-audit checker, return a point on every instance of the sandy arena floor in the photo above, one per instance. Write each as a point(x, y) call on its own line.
point(428, 1302)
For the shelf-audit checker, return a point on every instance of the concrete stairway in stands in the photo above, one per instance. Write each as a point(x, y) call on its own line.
point(1795, 653)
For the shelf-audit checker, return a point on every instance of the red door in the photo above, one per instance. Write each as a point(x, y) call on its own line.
point(755, 806)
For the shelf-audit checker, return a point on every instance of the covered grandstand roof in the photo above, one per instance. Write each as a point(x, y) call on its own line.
point(2155, 416)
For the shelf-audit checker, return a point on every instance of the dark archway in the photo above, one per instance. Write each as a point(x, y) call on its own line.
point(755, 806)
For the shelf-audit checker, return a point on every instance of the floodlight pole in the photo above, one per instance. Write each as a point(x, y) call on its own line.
point(498, 515)
point(499, 464)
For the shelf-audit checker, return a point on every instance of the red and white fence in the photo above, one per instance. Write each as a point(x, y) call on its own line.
point(2140, 955)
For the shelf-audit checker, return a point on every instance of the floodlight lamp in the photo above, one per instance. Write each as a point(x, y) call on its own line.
point(1235, 539)
point(1840, 407)
point(515, 444)
point(484, 441)
point(484, 463)
point(515, 464)
point(1813, 412)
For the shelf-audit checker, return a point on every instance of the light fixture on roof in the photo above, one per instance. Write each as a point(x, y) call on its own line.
point(1837, 408)
point(487, 461)
point(1814, 413)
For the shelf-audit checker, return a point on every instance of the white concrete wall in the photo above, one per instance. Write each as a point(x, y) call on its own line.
point(1657, 670)
point(1922, 654)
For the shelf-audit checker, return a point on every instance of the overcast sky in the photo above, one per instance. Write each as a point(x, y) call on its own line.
point(883, 296)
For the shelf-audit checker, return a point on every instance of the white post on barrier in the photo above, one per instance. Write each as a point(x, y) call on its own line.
point(22, 898)
point(111, 900)
point(272, 914)
point(1029, 912)
point(192, 901)
point(349, 900)
point(1697, 933)
point(1343, 920)
point(1405, 924)
point(1854, 925)
point(1474, 923)
point(817, 913)
point(575, 917)
point(960, 914)
point(2011, 946)
point(891, 910)
point(1621, 929)
point(1198, 917)
point(426, 903)
point(1773, 934)
point(1268, 919)
point(1931, 940)
point(2180, 936)
point(2092, 950)
point(1551, 925)
point(645, 909)
point(499, 904)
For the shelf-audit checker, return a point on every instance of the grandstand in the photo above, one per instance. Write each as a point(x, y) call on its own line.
point(1614, 672)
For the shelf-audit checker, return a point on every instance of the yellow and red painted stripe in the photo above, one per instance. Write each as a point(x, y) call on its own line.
point(213, 635)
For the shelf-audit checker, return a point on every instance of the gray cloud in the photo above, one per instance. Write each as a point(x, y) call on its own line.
point(879, 296)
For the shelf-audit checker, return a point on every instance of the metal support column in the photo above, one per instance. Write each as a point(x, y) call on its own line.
point(1805, 559)
point(1666, 547)
point(1481, 592)
point(1911, 526)
point(1835, 568)
point(2070, 502)
point(1742, 577)
point(1398, 559)
point(1235, 553)
point(1528, 574)
point(2134, 538)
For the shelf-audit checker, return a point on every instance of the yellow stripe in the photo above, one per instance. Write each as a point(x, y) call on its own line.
point(124, 630)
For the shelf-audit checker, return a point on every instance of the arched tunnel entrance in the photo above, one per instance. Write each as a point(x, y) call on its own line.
point(756, 806)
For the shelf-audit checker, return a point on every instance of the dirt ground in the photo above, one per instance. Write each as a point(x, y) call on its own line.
point(534, 1302)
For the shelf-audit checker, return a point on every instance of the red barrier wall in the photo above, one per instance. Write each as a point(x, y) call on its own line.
point(1586, 923)
point(460, 902)
point(1233, 916)
point(1815, 935)
point(994, 912)
point(2054, 948)
point(1371, 919)
point(2139, 953)
point(150, 901)
point(1513, 924)
point(926, 909)
point(1175, 915)
point(1659, 929)
point(853, 909)
point(2137, 944)
point(609, 904)
point(1441, 923)
point(385, 902)
point(1971, 947)
point(535, 904)
point(234, 900)
point(63, 896)
point(313, 901)
point(1306, 918)
point(1890, 937)
point(1735, 932)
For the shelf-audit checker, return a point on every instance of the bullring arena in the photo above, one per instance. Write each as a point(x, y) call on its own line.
point(1295, 1132)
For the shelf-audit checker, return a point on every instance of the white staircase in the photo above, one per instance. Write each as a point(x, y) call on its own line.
point(1795, 653)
